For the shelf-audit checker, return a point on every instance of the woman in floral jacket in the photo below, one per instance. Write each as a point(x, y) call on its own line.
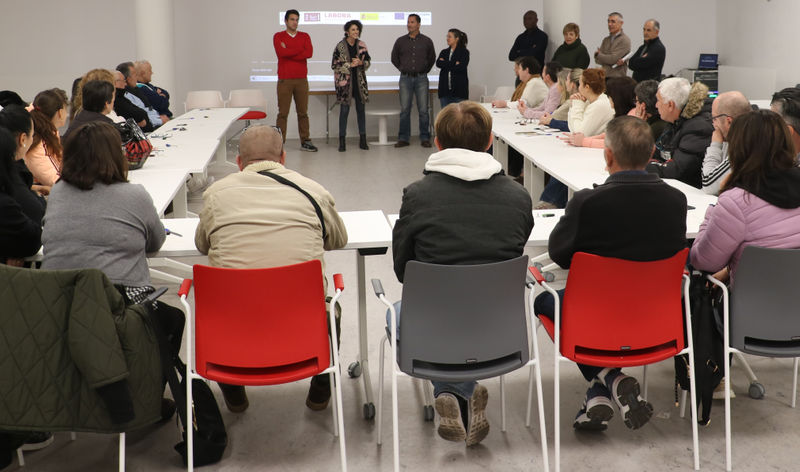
point(350, 62)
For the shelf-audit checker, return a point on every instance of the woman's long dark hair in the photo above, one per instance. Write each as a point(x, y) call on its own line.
point(460, 36)
point(45, 106)
point(758, 142)
point(8, 148)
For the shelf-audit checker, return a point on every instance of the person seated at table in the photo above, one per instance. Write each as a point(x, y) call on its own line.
point(21, 210)
point(96, 219)
point(636, 216)
point(98, 102)
point(568, 82)
point(531, 88)
point(125, 108)
point(159, 98)
point(590, 112)
point(759, 203)
point(572, 53)
point(681, 147)
point(463, 211)
point(716, 165)
point(44, 156)
point(620, 91)
point(786, 103)
point(137, 96)
point(77, 92)
point(252, 220)
point(554, 94)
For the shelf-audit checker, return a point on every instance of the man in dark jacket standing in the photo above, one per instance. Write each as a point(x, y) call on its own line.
point(531, 42)
point(636, 216)
point(681, 147)
point(464, 211)
point(648, 60)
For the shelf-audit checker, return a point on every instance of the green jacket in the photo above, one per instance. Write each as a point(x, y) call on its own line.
point(70, 349)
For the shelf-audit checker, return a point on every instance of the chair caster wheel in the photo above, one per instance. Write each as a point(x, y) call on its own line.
point(428, 412)
point(756, 390)
point(354, 370)
point(538, 265)
point(369, 411)
point(549, 276)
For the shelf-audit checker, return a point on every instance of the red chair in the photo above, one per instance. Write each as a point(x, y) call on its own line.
point(262, 327)
point(249, 98)
point(633, 319)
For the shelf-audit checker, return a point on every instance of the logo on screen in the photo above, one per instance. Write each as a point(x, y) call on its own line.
point(399, 16)
point(311, 17)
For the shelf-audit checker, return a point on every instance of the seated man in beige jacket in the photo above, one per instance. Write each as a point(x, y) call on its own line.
point(250, 220)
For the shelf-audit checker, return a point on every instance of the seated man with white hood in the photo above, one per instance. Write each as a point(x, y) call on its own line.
point(465, 210)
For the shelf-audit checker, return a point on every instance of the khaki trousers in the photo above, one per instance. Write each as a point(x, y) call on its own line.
point(297, 88)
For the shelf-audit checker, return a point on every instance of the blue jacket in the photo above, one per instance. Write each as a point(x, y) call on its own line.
point(160, 103)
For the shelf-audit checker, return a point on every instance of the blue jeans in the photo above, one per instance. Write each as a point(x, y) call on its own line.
point(410, 87)
point(460, 389)
point(444, 101)
point(556, 193)
point(344, 111)
point(545, 305)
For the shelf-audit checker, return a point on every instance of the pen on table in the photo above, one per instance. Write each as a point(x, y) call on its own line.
point(167, 230)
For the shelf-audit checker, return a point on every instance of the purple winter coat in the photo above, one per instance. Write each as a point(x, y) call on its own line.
point(742, 219)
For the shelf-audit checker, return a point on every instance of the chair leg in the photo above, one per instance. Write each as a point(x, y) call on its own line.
point(337, 378)
point(644, 381)
point(683, 403)
point(557, 412)
point(380, 390)
point(72, 436)
point(530, 398)
point(540, 402)
point(395, 417)
point(794, 388)
point(20, 457)
point(121, 452)
point(503, 403)
point(332, 378)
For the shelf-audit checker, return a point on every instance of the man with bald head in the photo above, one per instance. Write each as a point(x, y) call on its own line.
point(158, 97)
point(251, 219)
point(647, 62)
point(716, 167)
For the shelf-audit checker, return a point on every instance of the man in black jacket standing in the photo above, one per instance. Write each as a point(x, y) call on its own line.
point(648, 60)
point(636, 216)
point(464, 211)
point(531, 42)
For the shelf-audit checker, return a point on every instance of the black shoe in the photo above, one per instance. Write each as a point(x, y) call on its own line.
point(319, 395)
point(342, 147)
point(308, 146)
point(167, 409)
point(362, 142)
point(400, 144)
point(426, 144)
point(235, 397)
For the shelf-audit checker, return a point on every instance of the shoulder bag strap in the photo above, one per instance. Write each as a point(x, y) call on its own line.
point(288, 182)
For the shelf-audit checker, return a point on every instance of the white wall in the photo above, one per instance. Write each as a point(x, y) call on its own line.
point(760, 33)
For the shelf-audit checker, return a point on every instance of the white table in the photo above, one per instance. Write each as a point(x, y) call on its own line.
point(164, 186)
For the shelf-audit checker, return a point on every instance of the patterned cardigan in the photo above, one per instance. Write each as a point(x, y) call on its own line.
point(343, 74)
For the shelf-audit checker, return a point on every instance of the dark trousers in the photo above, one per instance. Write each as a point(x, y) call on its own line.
point(344, 112)
point(545, 305)
point(555, 192)
point(515, 161)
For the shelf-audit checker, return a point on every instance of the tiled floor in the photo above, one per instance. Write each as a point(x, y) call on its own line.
point(278, 433)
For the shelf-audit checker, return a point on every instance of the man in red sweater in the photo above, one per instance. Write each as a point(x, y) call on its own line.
point(293, 48)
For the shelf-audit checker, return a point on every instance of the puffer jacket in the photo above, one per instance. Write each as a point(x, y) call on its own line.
point(742, 219)
point(73, 356)
point(681, 147)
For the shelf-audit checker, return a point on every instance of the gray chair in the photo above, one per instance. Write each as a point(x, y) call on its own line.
point(461, 323)
point(766, 314)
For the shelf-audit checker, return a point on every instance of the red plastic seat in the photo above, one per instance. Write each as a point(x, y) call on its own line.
point(263, 327)
point(620, 313)
point(253, 115)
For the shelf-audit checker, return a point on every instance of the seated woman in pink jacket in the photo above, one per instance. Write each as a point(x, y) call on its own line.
point(554, 95)
point(620, 91)
point(759, 204)
point(43, 159)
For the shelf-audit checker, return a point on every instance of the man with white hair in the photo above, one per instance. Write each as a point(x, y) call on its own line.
point(614, 48)
point(716, 165)
point(681, 147)
point(648, 60)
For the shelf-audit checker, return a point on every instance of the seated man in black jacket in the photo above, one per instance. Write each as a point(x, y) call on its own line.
point(124, 108)
point(464, 211)
point(159, 98)
point(634, 215)
point(682, 146)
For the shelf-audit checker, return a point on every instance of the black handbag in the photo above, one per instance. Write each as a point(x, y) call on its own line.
point(135, 144)
point(210, 437)
point(706, 304)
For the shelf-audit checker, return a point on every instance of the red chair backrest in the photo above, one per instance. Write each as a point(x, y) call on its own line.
point(620, 313)
point(260, 326)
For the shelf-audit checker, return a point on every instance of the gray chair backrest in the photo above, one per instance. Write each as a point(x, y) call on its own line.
point(765, 303)
point(463, 322)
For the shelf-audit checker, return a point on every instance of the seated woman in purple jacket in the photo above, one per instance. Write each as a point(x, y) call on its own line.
point(759, 204)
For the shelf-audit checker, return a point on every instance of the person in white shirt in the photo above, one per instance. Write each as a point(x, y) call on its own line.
point(531, 89)
point(716, 165)
point(591, 110)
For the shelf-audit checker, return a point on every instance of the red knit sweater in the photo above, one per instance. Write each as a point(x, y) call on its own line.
point(292, 58)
